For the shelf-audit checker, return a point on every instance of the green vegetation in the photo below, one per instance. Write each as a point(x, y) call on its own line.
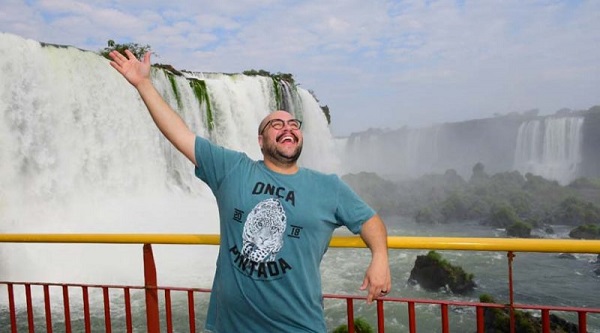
point(433, 273)
point(173, 82)
point(519, 229)
point(277, 84)
point(425, 215)
point(201, 93)
point(360, 326)
point(289, 78)
point(587, 231)
point(457, 277)
point(498, 320)
point(505, 200)
point(139, 51)
point(135, 48)
point(503, 216)
point(453, 207)
point(278, 93)
point(575, 211)
point(324, 108)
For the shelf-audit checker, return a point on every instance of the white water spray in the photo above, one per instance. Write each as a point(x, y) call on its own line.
point(405, 153)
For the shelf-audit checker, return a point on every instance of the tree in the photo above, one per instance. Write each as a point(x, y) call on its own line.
point(135, 48)
point(479, 175)
point(519, 229)
point(503, 216)
point(453, 208)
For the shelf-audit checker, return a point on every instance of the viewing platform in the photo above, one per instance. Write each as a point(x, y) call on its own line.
point(18, 313)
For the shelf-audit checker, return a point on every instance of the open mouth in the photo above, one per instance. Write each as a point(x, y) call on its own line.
point(287, 138)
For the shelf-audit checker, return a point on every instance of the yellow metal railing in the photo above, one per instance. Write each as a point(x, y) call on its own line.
point(394, 242)
point(509, 245)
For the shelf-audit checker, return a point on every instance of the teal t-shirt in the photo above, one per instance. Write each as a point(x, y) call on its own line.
point(275, 229)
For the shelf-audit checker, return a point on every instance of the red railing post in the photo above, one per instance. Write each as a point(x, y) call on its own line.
point(86, 309)
point(445, 321)
point(545, 321)
point(582, 321)
point(106, 297)
point(380, 317)
point(152, 319)
point(191, 311)
point(510, 256)
point(412, 318)
point(11, 307)
point(128, 319)
point(29, 308)
point(480, 319)
point(67, 308)
point(47, 309)
point(168, 313)
point(350, 314)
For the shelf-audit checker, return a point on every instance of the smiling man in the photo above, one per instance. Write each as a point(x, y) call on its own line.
point(276, 221)
point(280, 141)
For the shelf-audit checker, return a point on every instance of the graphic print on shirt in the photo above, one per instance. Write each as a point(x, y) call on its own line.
point(262, 239)
point(263, 231)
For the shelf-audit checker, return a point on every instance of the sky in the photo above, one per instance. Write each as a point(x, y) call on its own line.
point(374, 63)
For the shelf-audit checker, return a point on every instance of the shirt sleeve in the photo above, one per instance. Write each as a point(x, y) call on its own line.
point(351, 210)
point(214, 162)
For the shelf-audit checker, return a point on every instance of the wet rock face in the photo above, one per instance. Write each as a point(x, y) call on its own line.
point(433, 273)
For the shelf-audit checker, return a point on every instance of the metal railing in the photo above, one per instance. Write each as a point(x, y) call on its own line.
point(153, 313)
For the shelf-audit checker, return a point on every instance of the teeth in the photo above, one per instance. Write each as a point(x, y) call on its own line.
point(287, 138)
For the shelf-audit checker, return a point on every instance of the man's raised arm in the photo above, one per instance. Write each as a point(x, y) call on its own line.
point(166, 119)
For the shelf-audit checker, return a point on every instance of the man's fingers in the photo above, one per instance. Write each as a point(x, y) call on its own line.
point(117, 57)
point(129, 54)
point(370, 298)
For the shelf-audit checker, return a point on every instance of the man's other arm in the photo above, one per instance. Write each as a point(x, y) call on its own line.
point(377, 277)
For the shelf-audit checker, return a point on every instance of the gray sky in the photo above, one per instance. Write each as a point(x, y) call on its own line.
point(375, 63)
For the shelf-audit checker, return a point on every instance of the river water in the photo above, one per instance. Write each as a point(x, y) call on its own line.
point(542, 279)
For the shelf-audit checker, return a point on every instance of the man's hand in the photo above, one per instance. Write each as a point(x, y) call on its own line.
point(378, 280)
point(130, 67)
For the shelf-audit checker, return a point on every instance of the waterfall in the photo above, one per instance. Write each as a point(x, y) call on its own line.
point(408, 152)
point(550, 148)
point(79, 153)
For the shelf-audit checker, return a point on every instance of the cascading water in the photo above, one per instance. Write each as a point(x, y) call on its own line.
point(80, 154)
point(398, 154)
point(550, 148)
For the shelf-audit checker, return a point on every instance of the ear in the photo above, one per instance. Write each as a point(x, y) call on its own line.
point(260, 141)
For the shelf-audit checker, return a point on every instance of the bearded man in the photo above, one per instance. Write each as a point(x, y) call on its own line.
point(276, 220)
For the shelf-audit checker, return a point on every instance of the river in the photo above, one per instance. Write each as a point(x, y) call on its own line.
point(542, 279)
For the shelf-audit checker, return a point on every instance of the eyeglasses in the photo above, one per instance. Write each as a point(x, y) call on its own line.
point(278, 124)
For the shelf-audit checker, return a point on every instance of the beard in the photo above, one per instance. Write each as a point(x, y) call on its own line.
point(281, 156)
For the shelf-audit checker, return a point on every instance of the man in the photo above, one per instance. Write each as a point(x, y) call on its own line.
point(276, 220)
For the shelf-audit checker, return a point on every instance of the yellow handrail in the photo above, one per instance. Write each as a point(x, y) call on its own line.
point(394, 242)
